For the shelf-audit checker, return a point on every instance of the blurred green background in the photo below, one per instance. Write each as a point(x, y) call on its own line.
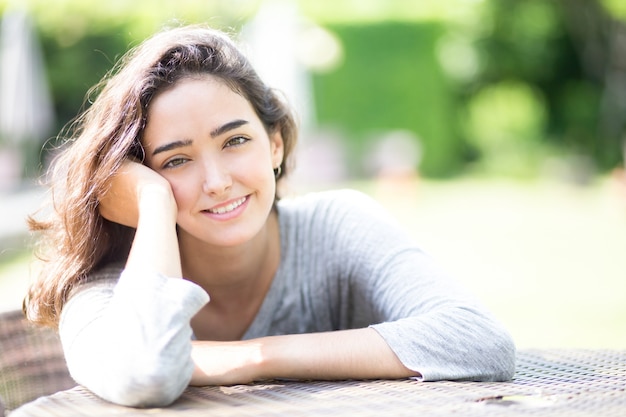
point(493, 86)
point(493, 129)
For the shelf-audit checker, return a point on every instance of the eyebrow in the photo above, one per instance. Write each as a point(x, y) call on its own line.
point(172, 145)
point(226, 127)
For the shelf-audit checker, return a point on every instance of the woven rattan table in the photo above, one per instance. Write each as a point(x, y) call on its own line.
point(547, 383)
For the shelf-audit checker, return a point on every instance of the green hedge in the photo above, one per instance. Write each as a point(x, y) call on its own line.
point(390, 79)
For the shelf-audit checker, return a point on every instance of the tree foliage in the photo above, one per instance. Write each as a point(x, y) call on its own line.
point(569, 54)
point(500, 82)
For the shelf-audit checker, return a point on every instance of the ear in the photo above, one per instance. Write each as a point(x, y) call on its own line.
point(277, 148)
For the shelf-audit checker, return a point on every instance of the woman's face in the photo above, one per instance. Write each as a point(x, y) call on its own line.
point(208, 142)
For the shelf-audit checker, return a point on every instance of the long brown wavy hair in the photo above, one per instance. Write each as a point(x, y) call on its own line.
point(75, 239)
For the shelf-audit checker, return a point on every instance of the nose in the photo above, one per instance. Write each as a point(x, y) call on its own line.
point(216, 178)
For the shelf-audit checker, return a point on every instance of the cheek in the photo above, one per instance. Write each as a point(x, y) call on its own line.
point(257, 173)
point(184, 193)
point(258, 164)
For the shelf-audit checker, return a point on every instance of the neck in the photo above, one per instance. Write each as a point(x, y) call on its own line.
point(234, 275)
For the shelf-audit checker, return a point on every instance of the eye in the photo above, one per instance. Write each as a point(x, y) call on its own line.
point(236, 141)
point(174, 162)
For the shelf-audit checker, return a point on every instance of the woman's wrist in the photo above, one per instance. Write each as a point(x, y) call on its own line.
point(227, 363)
point(155, 246)
point(156, 201)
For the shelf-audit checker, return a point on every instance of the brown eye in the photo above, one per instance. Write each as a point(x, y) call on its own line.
point(173, 163)
point(236, 141)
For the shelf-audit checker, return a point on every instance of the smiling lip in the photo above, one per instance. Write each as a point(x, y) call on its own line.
point(228, 210)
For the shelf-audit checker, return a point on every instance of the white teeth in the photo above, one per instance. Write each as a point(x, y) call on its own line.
point(229, 207)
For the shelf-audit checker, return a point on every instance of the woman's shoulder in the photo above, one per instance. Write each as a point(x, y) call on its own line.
point(334, 209)
point(339, 199)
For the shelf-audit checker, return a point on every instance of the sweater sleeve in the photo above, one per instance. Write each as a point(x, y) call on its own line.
point(127, 336)
point(431, 323)
point(435, 328)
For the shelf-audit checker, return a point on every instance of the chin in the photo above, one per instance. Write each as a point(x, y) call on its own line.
point(223, 240)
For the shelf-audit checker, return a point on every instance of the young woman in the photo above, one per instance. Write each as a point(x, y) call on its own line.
point(167, 195)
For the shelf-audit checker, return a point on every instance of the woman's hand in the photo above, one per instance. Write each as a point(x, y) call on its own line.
point(139, 197)
point(225, 363)
point(133, 184)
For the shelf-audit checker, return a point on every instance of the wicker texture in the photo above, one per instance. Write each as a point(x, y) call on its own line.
point(547, 383)
point(31, 361)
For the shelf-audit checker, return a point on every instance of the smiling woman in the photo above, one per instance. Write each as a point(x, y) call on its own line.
point(221, 174)
point(167, 194)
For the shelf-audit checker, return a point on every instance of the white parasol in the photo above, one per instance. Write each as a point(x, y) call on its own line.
point(26, 112)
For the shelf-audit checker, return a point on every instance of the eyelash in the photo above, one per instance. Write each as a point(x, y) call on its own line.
point(232, 142)
point(240, 141)
point(174, 162)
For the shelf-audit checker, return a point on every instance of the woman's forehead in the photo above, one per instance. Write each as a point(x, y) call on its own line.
point(193, 105)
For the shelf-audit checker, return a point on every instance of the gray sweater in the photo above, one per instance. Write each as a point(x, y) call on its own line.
point(344, 264)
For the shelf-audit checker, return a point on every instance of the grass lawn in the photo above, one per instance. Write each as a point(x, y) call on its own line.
point(549, 259)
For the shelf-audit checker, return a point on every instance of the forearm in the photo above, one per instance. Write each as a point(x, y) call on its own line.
point(155, 246)
point(347, 354)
